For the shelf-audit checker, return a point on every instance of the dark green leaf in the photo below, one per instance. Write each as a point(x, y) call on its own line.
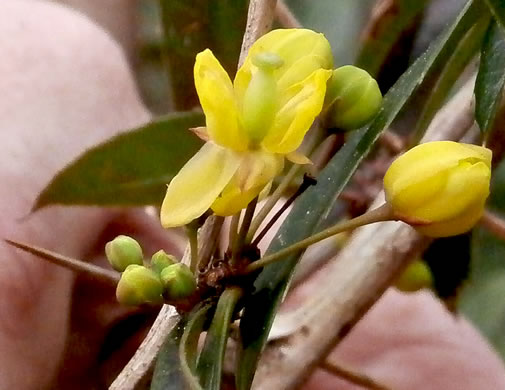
point(491, 78)
point(168, 374)
point(314, 205)
point(189, 345)
point(210, 361)
point(388, 28)
point(192, 26)
point(130, 169)
point(482, 300)
point(497, 8)
point(456, 64)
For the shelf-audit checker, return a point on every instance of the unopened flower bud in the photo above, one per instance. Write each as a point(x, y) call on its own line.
point(353, 98)
point(139, 285)
point(439, 188)
point(178, 281)
point(161, 260)
point(122, 252)
point(416, 277)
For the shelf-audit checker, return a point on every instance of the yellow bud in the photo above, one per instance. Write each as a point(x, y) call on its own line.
point(260, 98)
point(439, 188)
point(161, 260)
point(123, 251)
point(416, 277)
point(353, 98)
point(139, 285)
point(178, 282)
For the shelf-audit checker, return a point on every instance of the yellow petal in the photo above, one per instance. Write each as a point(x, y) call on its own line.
point(298, 158)
point(428, 160)
point(256, 171)
point(217, 98)
point(291, 45)
point(193, 190)
point(301, 104)
point(457, 225)
point(465, 185)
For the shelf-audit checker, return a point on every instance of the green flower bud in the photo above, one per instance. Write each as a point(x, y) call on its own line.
point(161, 260)
point(353, 98)
point(416, 277)
point(178, 281)
point(139, 285)
point(260, 98)
point(122, 252)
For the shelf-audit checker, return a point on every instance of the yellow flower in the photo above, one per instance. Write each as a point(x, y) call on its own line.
point(252, 124)
point(440, 188)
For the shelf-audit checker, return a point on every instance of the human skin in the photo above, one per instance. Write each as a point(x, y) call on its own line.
point(66, 86)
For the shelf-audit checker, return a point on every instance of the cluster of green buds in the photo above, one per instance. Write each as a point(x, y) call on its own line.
point(164, 279)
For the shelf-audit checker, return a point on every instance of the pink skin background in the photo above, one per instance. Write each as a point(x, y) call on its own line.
point(66, 85)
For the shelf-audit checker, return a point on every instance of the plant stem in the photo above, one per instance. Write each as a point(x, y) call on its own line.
point(272, 200)
point(233, 234)
point(382, 213)
point(352, 377)
point(192, 233)
point(493, 223)
point(244, 229)
point(68, 262)
point(307, 182)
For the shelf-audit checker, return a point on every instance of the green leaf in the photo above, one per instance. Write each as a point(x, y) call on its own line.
point(131, 169)
point(482, 298)
point(456, 64)
point(210, 361)
point(192, 26)
point(491, 78)
point(497, 8)
point(168, 374)
point(400, 17)
point(188, 348)
point(313, 206)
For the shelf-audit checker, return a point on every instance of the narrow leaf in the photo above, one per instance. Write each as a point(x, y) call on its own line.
point(491, 78)
point(131, 169)
point(175, 365)
point(482, 298)
point(168, 374)
point(192, 26)
point(456, 64)
point(188, 347)
point(497, 8)
point(386, 28)
point(314, 205)
point(210, 361)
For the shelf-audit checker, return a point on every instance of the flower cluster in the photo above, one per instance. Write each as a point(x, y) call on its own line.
point(252, 125)
point(164, 279)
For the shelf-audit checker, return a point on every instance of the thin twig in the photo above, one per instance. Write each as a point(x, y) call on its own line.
point(307, 182)
point(380, 214)
point(285, 17)
point(192, 233)
point(494, 224)
point(241, 240)
point(259, 20)
point(273, 199)
point(75, 265)
point(351, 376)
point(233, 233)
